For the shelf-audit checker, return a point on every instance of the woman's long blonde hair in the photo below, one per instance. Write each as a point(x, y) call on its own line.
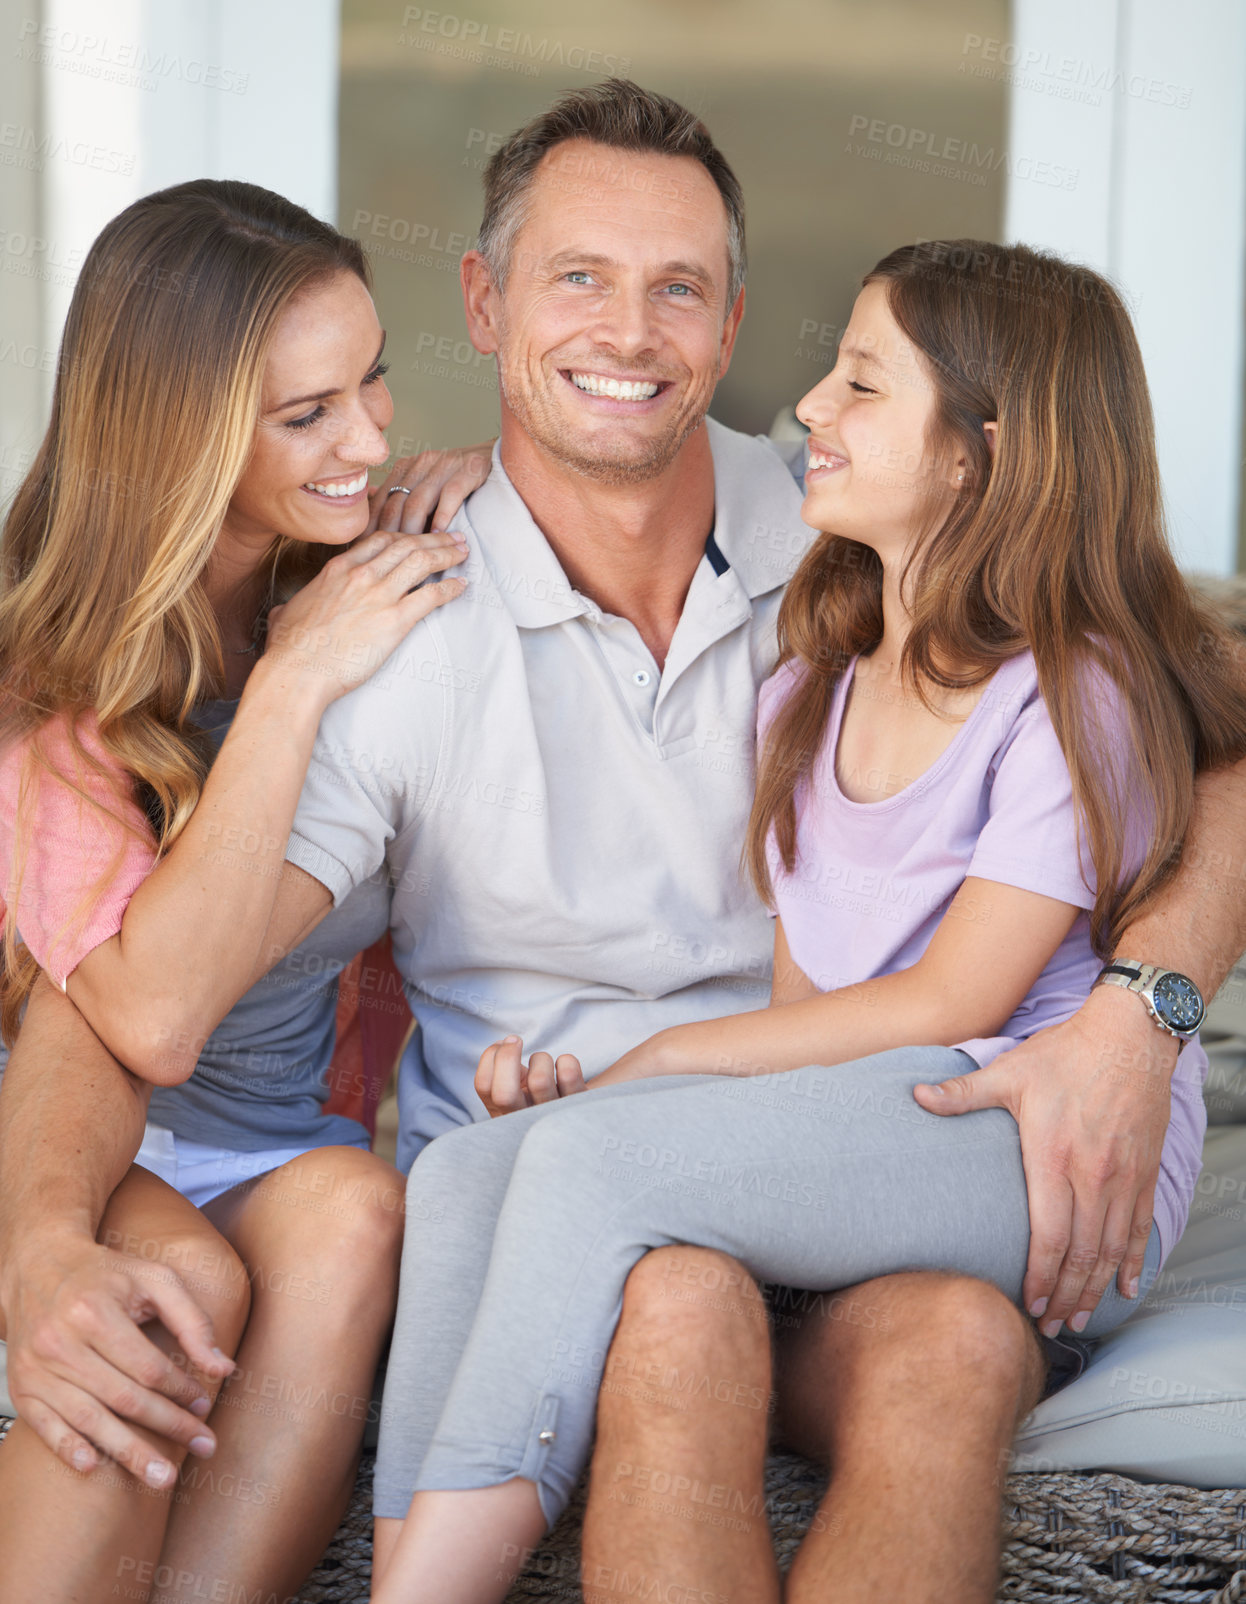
point(154, 411)
point(1057, 544)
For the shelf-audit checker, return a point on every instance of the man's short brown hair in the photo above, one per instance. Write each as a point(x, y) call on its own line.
point(619, 114)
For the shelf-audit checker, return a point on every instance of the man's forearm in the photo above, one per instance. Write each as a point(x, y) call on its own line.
point(71, 1121)
point(1197, 923)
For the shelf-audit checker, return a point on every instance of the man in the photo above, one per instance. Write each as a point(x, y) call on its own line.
point(556, 780)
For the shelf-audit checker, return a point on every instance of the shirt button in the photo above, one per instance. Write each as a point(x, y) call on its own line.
point(641, 677)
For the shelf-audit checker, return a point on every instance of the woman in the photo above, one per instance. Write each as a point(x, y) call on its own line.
point(184, 593)
point(976, 761)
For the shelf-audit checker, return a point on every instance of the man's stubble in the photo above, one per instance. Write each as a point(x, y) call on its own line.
point(627, 466)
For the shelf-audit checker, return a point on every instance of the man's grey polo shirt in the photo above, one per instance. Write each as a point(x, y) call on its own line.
point(561, 824)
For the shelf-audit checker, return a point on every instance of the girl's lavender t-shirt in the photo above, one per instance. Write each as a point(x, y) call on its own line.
point(871, 880)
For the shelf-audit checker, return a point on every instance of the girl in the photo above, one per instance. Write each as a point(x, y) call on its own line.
point(170, 588)
point(976, 761)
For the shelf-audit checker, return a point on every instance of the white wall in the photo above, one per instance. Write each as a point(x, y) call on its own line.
point(105, 100)
point(112, 99)
point(1147, 103)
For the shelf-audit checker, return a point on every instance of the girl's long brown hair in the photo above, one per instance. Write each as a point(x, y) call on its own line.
point(157, 396)
point(1057, 543)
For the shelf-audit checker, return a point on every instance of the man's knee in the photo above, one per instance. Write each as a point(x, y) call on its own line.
point(691, 1306)
point(693, 1332)
point(939, 1351)
point(692, 1288)
point(958, 1324)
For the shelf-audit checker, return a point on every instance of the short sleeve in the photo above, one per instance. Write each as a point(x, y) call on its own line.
point(373, 762)
point(86, 846)
point(1030, 838)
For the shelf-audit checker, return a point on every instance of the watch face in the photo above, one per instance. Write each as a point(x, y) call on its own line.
point(1177, 1002)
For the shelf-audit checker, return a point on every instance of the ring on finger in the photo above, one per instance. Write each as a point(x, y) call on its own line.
point(398, 490)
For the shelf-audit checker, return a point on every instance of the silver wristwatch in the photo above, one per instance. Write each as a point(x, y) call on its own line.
point(1174, 1002)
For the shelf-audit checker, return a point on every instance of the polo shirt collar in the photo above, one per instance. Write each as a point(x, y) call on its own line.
point(757, 523)
point(529, 578)
point(758, 533)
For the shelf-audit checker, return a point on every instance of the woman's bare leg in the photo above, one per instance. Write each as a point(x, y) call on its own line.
point(66, 1536)
point(321, 1239)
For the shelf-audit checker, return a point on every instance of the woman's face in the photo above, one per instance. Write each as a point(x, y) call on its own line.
point(323, 411)
point(870, 473)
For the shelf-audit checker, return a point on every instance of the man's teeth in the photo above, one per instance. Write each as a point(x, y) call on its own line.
point(616, 389)
point(348, 487)
point(817, 460)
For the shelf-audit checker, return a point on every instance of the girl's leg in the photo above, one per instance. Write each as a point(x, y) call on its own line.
point(320, 1239)
point(454, 1195)
point(99, 1536)
point(454, 1192)
point(820, 1178)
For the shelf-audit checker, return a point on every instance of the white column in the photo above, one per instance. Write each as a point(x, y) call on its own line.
point(1147, 105)
point(140, 94)
point(26, 354)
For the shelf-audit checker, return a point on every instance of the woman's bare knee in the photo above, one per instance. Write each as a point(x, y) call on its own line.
point(146, 1220)
point(324, 1230)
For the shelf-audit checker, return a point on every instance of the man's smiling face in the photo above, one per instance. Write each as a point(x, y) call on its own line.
point(613, 327)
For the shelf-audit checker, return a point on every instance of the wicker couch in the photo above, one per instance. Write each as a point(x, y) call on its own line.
point(1164, 1400)
point(1172, 1531)
point(1095, 1537)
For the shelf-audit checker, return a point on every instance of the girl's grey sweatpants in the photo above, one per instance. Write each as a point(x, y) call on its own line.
point(521, 1233)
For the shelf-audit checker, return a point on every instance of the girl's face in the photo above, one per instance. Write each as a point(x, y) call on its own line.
point(870, 475)
point(323, 411)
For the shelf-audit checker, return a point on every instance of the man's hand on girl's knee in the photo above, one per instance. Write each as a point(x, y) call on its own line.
point(1091, 1098)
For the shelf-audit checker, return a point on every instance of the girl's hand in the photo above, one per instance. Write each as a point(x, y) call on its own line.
point(504, 1083)
point(345, 623)
point(439, 483)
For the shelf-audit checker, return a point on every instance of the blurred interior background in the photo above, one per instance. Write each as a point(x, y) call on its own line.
point(1111, 130)
point(778, 87)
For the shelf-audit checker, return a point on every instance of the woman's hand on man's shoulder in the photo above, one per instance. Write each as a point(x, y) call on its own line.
point(341, 626)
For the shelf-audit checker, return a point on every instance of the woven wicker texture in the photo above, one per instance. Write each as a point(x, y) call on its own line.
point(1103, 1539)
point(1100, 1539)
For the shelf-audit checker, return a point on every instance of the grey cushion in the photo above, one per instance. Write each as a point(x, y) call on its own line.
point(1224, 1037)
point(1164, 1398)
